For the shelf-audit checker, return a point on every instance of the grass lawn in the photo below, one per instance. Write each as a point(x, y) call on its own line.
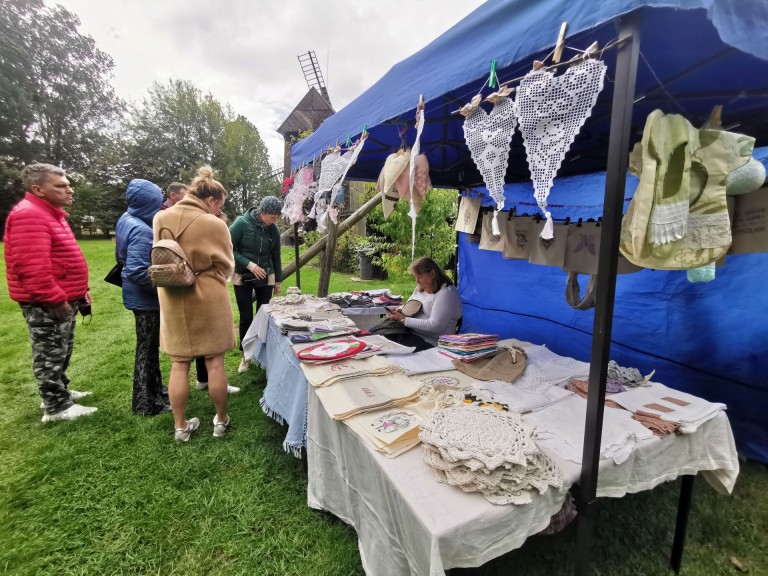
point(113, 494)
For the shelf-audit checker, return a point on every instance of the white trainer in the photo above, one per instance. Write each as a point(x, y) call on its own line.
point(73, 395)
point(204, 386)
point(74, 411)
point(183, 434)
point(220, 428)
point(76, 395)
point(244, 365)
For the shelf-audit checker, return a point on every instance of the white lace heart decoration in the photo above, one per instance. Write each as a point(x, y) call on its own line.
point(551, 111)
point(488, 138)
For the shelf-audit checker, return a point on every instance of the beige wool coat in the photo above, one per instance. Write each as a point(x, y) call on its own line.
point(197, 320)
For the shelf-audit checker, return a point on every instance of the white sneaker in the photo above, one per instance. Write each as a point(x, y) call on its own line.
point(220, 428)
point(204, 386)
point(183, 434)
point(244, 365)
point(73, 395)
point(74, 411)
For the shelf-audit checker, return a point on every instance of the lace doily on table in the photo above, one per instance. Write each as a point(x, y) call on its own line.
point(488, 138)
point(487, 451)
point(492, 437)
point(551, 111)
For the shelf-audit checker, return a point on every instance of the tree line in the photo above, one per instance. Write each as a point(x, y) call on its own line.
point(58, 106)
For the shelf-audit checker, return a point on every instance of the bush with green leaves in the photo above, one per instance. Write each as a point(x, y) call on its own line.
point(435, 235)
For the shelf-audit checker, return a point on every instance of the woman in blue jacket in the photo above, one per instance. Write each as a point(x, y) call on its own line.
point(133, 235)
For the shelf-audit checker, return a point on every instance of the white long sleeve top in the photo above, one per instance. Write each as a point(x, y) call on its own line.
point(439, 314)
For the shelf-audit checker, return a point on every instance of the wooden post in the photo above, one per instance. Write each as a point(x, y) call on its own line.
point(296, 252)
point(318, 246)
point(326, 262)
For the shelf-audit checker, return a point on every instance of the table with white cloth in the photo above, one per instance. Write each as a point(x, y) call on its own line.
point(285, 396)
point(408, 523)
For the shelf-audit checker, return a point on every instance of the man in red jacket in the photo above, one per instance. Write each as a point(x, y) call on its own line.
point(48, 276)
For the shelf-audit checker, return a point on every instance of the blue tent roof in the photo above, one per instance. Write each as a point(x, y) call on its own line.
point(695, 54)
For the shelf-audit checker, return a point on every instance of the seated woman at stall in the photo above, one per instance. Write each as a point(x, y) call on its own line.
point(440, 307)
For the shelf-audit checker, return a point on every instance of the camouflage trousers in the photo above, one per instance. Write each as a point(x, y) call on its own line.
point(52, 342)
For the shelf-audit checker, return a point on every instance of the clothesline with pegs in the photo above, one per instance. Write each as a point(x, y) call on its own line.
point(592, 50)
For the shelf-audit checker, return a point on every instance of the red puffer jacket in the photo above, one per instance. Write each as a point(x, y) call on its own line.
point(43, 262)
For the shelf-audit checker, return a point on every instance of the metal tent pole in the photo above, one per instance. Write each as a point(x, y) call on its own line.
point(618, 151)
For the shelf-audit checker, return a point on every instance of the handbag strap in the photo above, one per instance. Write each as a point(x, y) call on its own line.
point(175, 238)
point(573, 292)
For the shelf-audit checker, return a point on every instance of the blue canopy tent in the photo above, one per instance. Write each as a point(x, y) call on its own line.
point(695, 54)
point(683, 56)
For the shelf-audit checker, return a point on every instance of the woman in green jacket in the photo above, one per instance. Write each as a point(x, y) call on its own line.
point(258, 270)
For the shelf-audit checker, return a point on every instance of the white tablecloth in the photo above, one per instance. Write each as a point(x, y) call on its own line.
point(408, 523)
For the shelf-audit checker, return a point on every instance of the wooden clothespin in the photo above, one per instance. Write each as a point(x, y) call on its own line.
point(714, 122)
point(466, 110)
point(588, 53)
point(560, 43)
point(496, 97)
point(537, 65)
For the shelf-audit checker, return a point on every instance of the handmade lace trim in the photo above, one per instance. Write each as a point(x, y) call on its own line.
point(669, 222)
point(551, 111)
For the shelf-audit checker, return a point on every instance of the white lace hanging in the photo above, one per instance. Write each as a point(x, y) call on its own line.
point(412, 175)
point(488, 138)
point(551, 111)
point(331, 169)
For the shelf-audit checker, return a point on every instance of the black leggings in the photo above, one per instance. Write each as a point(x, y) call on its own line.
point(244, 296)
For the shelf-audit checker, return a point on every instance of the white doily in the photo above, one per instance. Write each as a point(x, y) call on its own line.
point(488, 138)
point(551, 111)
point(490, 436)
point(331, 169)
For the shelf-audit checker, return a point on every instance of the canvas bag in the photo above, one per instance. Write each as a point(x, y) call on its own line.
point(170, 266)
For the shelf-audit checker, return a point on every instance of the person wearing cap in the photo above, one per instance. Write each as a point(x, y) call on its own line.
point(258, 269)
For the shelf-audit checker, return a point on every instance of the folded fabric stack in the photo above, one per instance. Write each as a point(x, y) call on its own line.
point(347, 398)
point(388, 299)
point(468, 347)
point(322, 375)
point(482, 449)
point(659, 401)
point(423, 362)
point(560, 430)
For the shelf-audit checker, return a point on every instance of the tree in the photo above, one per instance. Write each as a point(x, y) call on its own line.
point(435, 236)
point(174, 131)
point(58, 104)
point(244, 164)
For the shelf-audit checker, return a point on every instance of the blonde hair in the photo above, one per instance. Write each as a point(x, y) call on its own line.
point(204, 186)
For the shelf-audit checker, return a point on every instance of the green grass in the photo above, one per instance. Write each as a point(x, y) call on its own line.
point(113, 494)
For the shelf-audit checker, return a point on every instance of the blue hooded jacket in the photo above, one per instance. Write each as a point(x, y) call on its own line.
point(133, 236)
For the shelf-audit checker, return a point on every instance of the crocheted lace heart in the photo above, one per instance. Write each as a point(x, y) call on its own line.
point(551, 111)
point(488, 138)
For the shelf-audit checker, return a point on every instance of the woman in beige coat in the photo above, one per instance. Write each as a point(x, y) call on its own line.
point(198, 320)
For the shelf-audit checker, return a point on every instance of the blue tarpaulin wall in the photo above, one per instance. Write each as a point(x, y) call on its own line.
point(707, 339)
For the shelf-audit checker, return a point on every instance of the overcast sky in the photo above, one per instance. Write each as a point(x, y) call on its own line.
point(244, 52)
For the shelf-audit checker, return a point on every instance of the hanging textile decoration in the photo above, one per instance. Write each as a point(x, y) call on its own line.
point(293, 207)
point(551, 111)
point(394, 167)
point(687, 169)
point(337, 191)
point(488, 138)
point(413, 212)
